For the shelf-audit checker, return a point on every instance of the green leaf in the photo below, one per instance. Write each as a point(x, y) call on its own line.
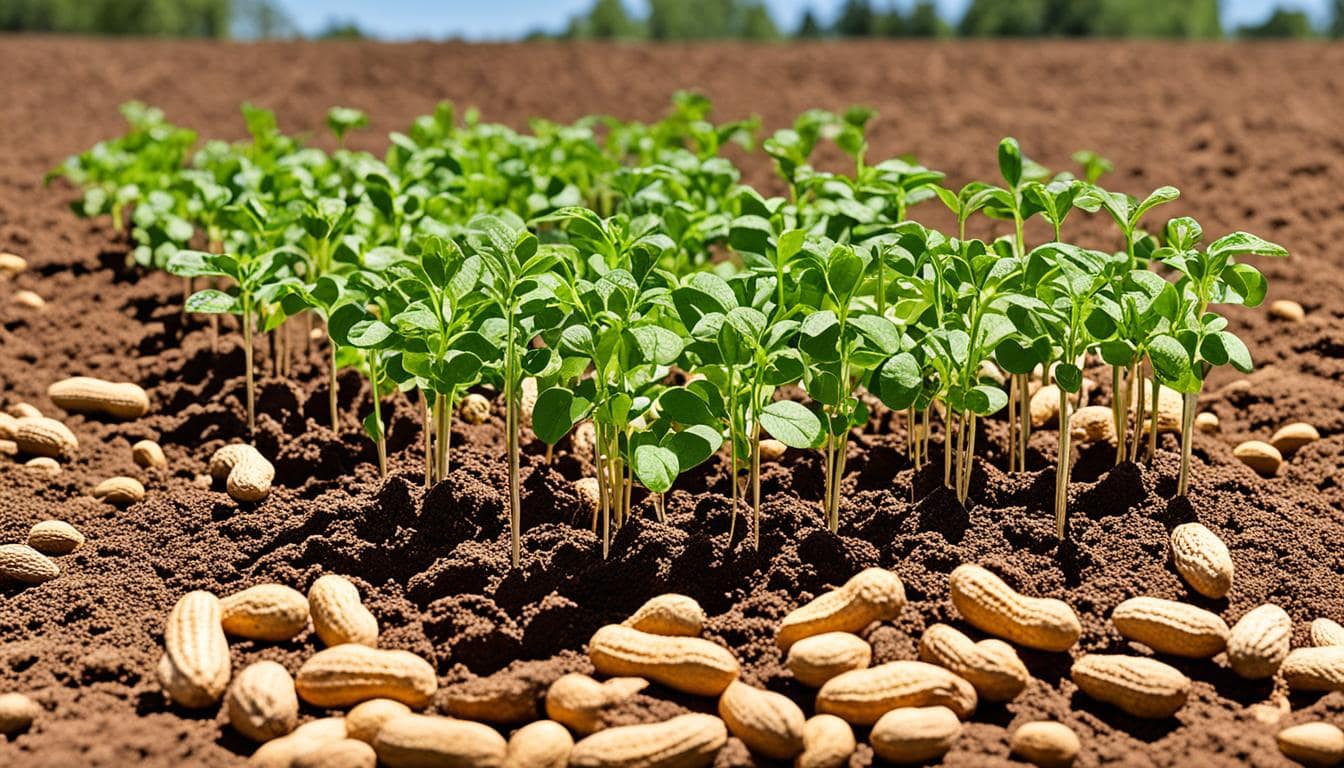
point(984, 399)
point(844, 270)
point(656, 467)
point(1169, 357)
point(694, 445)
point(683, 406)
point(791, 423)
point(820, 336)
point(556, 412)
point(1015, 357)
point(213, 302)
point(1010, 161)
point(1155, 198)
point(900, 381)
point(656, 344)
point(368, 334)
point(1069, 377)
point(373, 426)
point(1244, 243)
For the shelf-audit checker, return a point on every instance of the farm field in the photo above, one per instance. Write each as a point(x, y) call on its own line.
point(1250, 133)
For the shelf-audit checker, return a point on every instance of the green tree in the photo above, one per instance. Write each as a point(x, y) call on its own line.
point(1283, 23)
point(757, 24)
point(924, 21)
point(1337, 21)
point(856, 19)
point(608, 20)
point(809, 28)
point(1003, 18)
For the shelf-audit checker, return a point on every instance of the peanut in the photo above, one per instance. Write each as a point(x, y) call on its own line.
point(1046, 744)
point(1287, 309)
point(1316, 744)
point(1202, 560)
point(1326, 632)
point(527, 400)
point(40, 436)
point(828, 742)
point(1141, 686)
point(24, 411)
point(8, 424)
point(1315, 669)
point(816, 659)
point(119, 491)
point(1207, 422)
point(247, 474)
point(226, 458)
point(578, 700)
point(685, 741)
point(1259, 456)
point(674, 615)
point(346, 753)
point(338, 615)
point(992, 606)
point(148, 454)
point(9, 448)
point(873, 594)
point(348, 674)
point(17, 713)
point(770, 724)
point(55, 537)
point(543, 744)
point(1291, 437)
point(864, 695)
point(915, 734)
point(366, 718)
point(1167, 626)
point(22, 563)
point(29, 299)
point(1170, 406)
point(588, 491)
point(44, 464)
point(772, 450)
point(194, 670)
point(11, 265)
point(1044, 406)
point(475, 409)
point(309, 737)
point(1092, 424)
point(261, 702)
point(85, 394)
point(992, 666)
point(265, 612)
point(1260, 641)
point(418, 741)
point(687, 664)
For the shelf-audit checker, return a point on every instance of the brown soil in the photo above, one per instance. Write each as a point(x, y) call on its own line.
point(1251, 134)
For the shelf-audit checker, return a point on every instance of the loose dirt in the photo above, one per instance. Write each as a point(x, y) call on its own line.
point(1250, 133)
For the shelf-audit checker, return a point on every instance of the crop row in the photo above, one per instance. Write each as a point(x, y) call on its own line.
point(597, 258)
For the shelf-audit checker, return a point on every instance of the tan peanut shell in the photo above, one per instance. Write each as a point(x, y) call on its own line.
point(1168, 626)
point(992, 666)
point(1207, 422)
point(769, 723)
point(864, 695)
point(345, 675)
point(307, 738)
point(873, 594)
point(55, 537)
point(85, 394)
point(685, 741)
point(1259, 456)
point(578, 701)
point(24, 411)
point(44, 464)
point(1044, 406)
point(1317, 744)
point(1260, 641)
point(992, 606)
point(346, 753)
point(8, 424)
point(28, 299)
point(828, 742)
point(816, 659)
point(588, 491)
point(543, 744)
point(22, 563)
point(148, 454)
point(1315, 669)
point(261, 702)
point(687, 664)
point(363, 721)
point(1141, 686)
point(119, 491)
point(8, 448)
point(475, 408)
point(416, 741)
point(271, 612)
point(1170, 406)
point(17, 713)
point(1287, 309)
point(195, 667)
point(226, 458)
point(1092, 424)
point(251, 479)
point(40, 436)
point(1046, 744)
point(11, 264)
point(915, 734)
point(1202, 559)
point(1326, 632)
point(670, 614)
point(1291, 437)
point(772, 450)
point(339, 616)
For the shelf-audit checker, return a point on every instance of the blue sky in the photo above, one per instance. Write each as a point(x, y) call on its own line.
point(500, 19)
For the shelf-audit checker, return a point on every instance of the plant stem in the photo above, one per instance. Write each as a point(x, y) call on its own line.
point(949, 445)
point(970, 459)
point(331, 388)
point(1188, 404)
point(429, 436)
point(247, 364)
point(515, 505)
point(1012, 424)
point(1152, 431)
point(1063, 469)
point(381, 440)
point(1024, 418)
point(1136, 394)
point(1119, 412)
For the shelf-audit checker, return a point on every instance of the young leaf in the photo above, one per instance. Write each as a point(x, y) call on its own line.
point(791, 423)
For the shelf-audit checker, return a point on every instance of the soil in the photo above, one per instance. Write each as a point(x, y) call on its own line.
point(1250, 133)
